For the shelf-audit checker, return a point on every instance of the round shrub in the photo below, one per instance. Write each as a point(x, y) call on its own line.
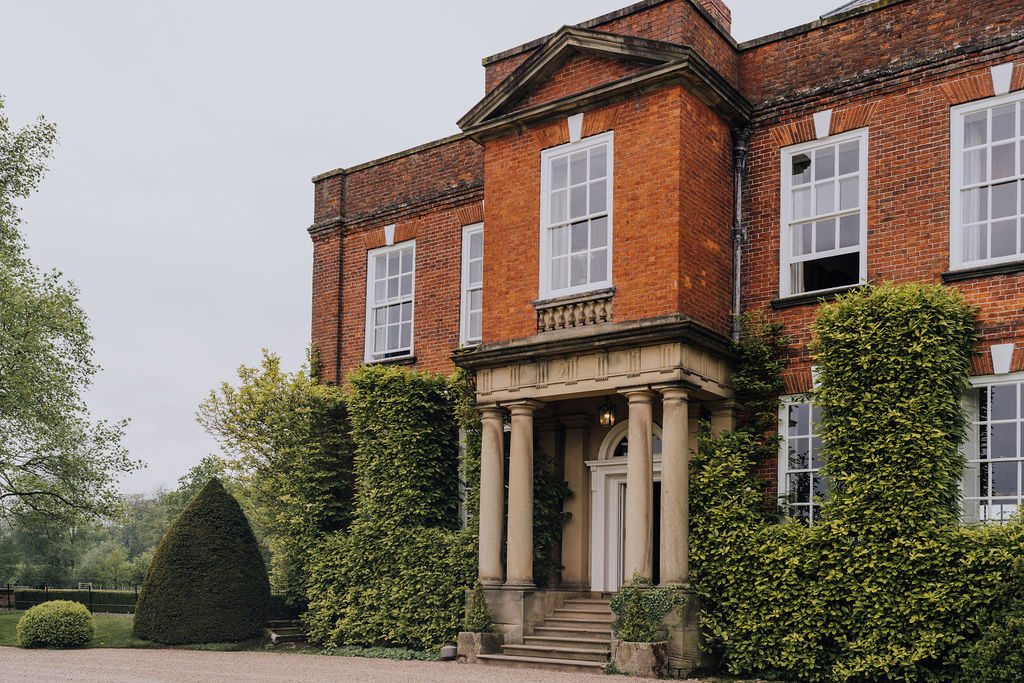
point(207, 581)
point(58, 623)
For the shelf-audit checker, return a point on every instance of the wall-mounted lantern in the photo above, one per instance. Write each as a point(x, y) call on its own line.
point(606, 414)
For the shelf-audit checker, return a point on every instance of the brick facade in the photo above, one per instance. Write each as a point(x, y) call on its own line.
point(894, 68)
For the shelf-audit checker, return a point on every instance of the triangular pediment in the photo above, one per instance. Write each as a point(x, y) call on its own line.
point(561, 47)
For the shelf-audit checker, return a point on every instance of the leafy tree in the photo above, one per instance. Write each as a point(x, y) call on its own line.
point(54, 460)
point(285, 438)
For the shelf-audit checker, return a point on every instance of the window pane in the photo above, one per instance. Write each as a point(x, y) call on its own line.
point(975, 205)
point(849, 230)
point(803, 236)
point(802, 489)
point(559, 206)
point(1004, 200)
point(476, 299)
point(598, 233)
point(476, 245)
point(975, 242)
point(380, 316)
point(799, 419)
point(598, 162)
point(824, 163)
point(1003, 440)
point(1003, 122)
point(976, 129)
point(379, 337)
point(578, 275)
point(394, 263)
point(802, 203)
point(1004, 402)
point(392, 287)
point(579, 236)
point(577, 167)
point(825, 238)
point(598, 265)
point(406, 334)
point(598, 197)
point(975, 166)
point(379, 290)
point(394, 314)
point(801, 169)
point(1004, 479)
point(1003, 165)
point(1004, 238)
point(849, 193)
point(816, 459)
point(559, 173)
point(849, 157)
point(825, 199)
point(380, 265)
point(560, 241)
point(559, 273)
point(407, 260)
point(475, 325)
point(578, 201)
point(476, 272)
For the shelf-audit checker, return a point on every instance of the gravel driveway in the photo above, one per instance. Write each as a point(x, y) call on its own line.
point(110, 664)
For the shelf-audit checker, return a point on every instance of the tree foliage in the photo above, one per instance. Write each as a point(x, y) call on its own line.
point(54, 460)
point(285, 437)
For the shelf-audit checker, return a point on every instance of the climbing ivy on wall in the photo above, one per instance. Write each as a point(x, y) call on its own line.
point(887, 585)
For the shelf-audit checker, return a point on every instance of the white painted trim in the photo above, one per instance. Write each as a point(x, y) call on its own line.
point(467, 231)
point(956, 170)
point(575, 127)
point(1002, 357)
point(544, 276)
point(368, 331)
point(389, 235)
point(786, 199)
point(822, 123)
point(1002, 75)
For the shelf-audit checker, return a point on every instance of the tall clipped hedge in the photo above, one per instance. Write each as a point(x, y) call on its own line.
point(398, 575)
point(887, 585)
point(207, 581)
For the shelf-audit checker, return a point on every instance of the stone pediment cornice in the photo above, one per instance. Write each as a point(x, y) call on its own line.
point(669, 63)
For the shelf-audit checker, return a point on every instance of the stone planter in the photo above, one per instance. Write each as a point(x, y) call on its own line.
point(644, 660)
point(472, 644)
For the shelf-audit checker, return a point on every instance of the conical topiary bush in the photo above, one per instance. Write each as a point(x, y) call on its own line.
point(207, 581)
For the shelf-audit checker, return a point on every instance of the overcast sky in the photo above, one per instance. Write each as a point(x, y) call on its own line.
point(179, 195)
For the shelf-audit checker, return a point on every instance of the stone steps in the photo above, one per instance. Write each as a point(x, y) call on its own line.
point(575, 637)
point(280, 632)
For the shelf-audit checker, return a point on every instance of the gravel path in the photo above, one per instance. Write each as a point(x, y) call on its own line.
point(110, 664)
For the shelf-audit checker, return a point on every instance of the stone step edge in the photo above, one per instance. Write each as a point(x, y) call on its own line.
point(581, 641)
point(545, 648)
point(566, 629)
point(545, 660)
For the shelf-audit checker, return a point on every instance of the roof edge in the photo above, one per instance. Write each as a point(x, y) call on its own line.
point(820, 22)
point(604, 19)
point(391, 157)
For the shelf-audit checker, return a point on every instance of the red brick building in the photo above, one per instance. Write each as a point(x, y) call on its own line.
point(624, 187)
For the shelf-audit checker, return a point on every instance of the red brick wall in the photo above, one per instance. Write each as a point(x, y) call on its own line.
point(664, 205)
point(579, 73)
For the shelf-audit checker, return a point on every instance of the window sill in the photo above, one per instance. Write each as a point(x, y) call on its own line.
point(400, 360)
point(812, 297)
point(983, 271)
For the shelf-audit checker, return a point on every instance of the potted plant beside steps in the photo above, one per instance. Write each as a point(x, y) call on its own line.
point(479, 638)
point(639, 647)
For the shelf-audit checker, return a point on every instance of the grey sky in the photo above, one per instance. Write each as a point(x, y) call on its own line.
point(179, 195)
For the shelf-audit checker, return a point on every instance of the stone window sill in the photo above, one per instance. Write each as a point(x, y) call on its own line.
point(401, 360)
point(983, 271)
point(812, 297)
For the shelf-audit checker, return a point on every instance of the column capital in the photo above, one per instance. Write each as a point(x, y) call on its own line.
point(578, 421)
point(526, 406)
point(673, 392)
point(489, 410)
point(723, 406)
point(640, 394)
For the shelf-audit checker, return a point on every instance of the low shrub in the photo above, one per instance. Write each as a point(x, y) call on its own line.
point(57, 623)
point(639, 609)
point(479, 618)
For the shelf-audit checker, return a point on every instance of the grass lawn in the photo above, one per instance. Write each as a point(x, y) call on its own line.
point(111, 631)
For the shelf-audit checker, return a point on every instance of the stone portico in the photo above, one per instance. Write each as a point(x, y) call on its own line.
point(660, 376)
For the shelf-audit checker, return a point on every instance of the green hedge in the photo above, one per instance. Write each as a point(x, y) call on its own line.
point(57, 623)
point(887, 585)
point(207, 581)
point(118, 602)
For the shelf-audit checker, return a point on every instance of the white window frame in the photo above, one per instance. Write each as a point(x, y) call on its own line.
point(546, 158)
point(970, 483)
point(956, 177)
point(465, 336)
point(369, 355)
point(786, 256)
point(784, 469)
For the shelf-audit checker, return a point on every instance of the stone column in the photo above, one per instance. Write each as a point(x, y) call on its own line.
point(723, 416)
point(639, 553)
point(675, 487)
point(520, 495)
point(492, 494)
point(576, 533)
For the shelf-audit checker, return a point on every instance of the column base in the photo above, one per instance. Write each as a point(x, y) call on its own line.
point(492, 583)
point(519, 586)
